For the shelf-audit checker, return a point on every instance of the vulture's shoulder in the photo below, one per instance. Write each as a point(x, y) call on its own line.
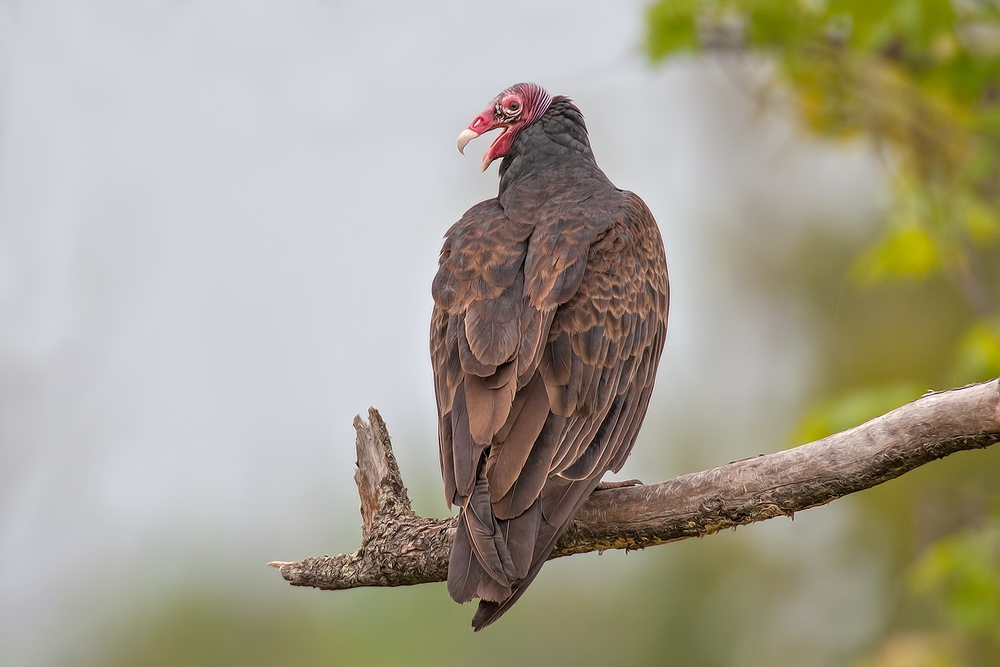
point(605, 340)
point(625, 276)
point(482, 255)
point(588, 230)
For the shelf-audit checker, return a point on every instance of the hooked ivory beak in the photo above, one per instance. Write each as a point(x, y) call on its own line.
point(465, 138)
point(468, 135)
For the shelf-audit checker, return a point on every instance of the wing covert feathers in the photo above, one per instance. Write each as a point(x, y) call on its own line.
point(547, 329)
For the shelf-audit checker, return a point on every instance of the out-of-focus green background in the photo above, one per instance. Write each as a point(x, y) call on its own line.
point(218, 226)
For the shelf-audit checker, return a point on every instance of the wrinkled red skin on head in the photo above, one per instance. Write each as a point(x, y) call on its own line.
point(531, 102)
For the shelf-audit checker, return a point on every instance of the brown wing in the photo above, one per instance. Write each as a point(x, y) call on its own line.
point(545, 339)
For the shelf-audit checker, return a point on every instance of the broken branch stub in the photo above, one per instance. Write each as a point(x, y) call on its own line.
point(398, 547)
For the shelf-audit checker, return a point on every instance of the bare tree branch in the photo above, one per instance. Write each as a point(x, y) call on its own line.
point(400, 548)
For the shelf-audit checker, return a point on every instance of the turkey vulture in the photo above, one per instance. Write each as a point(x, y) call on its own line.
point(550, 312)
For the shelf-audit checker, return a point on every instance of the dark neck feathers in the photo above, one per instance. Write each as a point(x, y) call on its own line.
point(559, 136)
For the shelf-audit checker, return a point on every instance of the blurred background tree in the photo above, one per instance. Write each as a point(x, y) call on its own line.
point(919, 81)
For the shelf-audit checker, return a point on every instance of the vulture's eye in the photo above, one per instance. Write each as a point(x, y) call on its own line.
point(514, 106)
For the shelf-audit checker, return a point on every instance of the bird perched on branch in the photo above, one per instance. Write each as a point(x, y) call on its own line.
point(550, 312)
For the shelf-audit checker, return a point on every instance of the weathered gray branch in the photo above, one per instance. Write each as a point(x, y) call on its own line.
point(400, 548)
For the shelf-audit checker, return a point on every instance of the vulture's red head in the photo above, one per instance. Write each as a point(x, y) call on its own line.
point(512, 110)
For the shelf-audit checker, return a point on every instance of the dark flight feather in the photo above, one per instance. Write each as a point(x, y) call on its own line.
point(485, 534)
point(464, 570)
point(550, 308)
point(509, 454)
point(465, 451)
point(535, 471)
point(520, 533)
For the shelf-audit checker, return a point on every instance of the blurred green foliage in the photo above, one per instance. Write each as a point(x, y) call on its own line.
point(962, 570)
point(919, 80)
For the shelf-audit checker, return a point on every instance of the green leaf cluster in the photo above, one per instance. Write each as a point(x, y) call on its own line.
point(920, 79)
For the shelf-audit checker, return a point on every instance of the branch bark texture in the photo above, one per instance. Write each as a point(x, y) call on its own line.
point(400, 548)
